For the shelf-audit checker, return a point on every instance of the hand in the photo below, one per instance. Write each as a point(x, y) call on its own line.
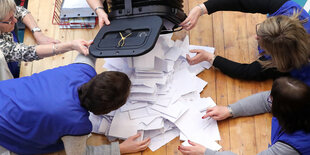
point(191, 19)
point(195, 149)
point(217, 113)
point(42, 39)
point(201, 55)
point(130, 145)
point(81, 46)
point(102, 18)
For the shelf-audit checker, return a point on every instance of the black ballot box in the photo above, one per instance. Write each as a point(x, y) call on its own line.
point(135, 26)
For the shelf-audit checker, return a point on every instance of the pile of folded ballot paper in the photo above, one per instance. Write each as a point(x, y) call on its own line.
point(165, 101)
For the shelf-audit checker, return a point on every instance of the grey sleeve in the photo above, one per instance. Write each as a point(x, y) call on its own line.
point(277, 148)
point(211, 152)
point(252, 105)
point(90, 60)
point(112, 149)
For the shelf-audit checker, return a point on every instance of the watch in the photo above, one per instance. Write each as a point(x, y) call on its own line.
point(230, 110)
point(99, 7)
point(36, 29)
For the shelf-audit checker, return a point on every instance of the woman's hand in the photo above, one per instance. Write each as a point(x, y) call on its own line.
point(42, 39)
point(131, 145)
point(193, 17)
point(217, 113)
point(195, 149)
point(102, 18)
point(201, 55)
point(81, 46)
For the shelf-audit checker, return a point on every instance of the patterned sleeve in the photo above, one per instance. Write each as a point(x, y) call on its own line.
point(17, 51)
point(21, 12)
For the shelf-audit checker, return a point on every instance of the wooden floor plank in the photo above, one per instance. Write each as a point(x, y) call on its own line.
point(262, 122)
point(172, 147)
point(44, 20)
point(220, 79)
point(242, 138)
point(26, 67)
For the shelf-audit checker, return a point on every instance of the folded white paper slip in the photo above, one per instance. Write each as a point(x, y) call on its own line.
point(142, 89)
point(122, 126)
point(204, 64)
point(163, 139)
point(132, 106)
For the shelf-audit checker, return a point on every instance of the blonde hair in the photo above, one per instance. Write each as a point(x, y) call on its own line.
point(286, 40)
point(5, 7)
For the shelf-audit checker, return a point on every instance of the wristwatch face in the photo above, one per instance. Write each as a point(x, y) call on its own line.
point(36, 29)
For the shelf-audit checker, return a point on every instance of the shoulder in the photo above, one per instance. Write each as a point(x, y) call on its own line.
point(21, 11)
point(82, 68)
point(288, 9)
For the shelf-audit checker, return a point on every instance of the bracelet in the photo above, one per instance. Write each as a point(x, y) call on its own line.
point(55, 49)
point(54, 53)
point(99, 7)
point(230, 110)
point(212, 60)
point(201, 10)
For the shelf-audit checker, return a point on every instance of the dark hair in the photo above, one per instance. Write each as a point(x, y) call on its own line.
point(105, 92)
point(291, 104)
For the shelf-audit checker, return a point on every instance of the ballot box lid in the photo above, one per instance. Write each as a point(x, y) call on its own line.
point(127, 37)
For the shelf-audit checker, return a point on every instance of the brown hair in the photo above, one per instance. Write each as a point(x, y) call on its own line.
point(105, 92)
point(291, 104)
point(286, 40)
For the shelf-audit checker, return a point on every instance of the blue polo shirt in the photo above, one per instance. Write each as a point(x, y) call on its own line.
point(288, 9)
point(299, 140)
point(36, 111)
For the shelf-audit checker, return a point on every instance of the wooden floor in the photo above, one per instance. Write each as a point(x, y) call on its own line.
point(233, 36)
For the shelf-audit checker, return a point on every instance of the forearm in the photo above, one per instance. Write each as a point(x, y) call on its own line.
point(75, 145)
point(29, 21)
point(21, 52)
point(112, 149)
point(211, 152)
point(252, 71)
point(53, 49)
point(277, 148)
point(248, 6)
point(94, 4)
point(252, 105)
point(238, 70)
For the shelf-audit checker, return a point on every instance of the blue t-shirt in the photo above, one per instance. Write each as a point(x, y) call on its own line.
point(36, 111)
point(288, 9)
point(299, 140)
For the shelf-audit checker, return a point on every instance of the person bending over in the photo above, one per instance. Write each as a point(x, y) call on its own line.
point(11, 51)
point(289, 104)
point(49, 111)
point(282, 38)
